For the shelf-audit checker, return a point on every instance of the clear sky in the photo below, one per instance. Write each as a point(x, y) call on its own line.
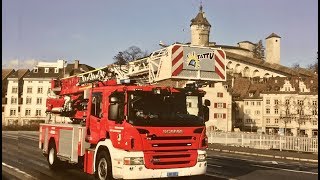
point(94, 31)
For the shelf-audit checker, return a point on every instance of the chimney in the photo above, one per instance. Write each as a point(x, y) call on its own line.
point(76, 64)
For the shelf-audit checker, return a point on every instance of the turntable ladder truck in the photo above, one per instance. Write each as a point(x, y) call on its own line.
point(125, 130)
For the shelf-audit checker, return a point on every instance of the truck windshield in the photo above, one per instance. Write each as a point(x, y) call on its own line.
point(176, 109)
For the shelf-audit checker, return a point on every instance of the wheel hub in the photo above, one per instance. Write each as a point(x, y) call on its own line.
point(102, 169)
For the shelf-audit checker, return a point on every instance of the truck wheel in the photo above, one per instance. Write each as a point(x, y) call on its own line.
point(52, 158)
point(103, 166)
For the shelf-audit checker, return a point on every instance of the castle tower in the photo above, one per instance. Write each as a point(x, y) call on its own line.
point(273, 49)
point(200, 29)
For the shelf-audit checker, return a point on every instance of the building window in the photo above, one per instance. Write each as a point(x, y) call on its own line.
point(268, 111)
point(14, 100)
point(314, 112)
point(189, 105)
point(28, 112)
point(39, 100)
point(257, 112)
point(29, 89)
point(38, 112)
point(248, 120)
point(276, 111)
point(2, 108)
point(268, 121)
point(315, 103)
point(219, 105)
point(40, 81)
point(276, 101)
point(248, 111)
point(259, 103)
point(220, 115)
point(40, 90)
point(219, 94)
point(252, 103)
point(287, 101)
point(56, 70)
point(276, 121)
point(18, 109)
point(246, 103)
point(268, 101)
point(46, 70)
point(29, 81)
point(28, 100)
point(315, 122)
point(300, 102)
point(35, 70)
point(12, 112)
point(15, 90)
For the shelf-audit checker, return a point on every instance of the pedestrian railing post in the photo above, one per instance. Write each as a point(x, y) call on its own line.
point(260, 141)
point(280, 143)
point(226, 142)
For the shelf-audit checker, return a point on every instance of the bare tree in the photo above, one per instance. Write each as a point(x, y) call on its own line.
point(258, 51)
point(286, 113)
point(130, 54)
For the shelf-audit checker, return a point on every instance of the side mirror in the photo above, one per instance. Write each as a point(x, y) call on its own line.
point(113, 99)
point(207, 102)
point(206, 113)
point(113, 113)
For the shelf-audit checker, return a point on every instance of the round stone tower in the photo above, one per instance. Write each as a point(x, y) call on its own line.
point(273, 49)
point(200, 29)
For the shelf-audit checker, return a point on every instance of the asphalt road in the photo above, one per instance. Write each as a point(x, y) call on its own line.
point(21, 159)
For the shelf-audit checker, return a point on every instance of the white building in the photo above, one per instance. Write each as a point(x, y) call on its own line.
point(38, 85)
point(12, 111)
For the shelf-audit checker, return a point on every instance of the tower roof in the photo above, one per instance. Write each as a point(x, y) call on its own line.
point(273, 35)
point(200, 19)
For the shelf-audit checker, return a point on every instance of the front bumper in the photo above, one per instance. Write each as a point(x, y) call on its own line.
point(141, 172)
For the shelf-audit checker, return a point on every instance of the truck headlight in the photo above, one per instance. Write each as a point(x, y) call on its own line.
point(133, 161)
point(202, 157)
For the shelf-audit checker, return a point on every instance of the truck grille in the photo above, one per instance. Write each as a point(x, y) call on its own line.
point(170, 159)
point(170, 152)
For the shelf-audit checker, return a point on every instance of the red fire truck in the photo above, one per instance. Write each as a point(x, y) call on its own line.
point(123, 130)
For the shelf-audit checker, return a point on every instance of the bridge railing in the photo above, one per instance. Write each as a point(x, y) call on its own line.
point(262, 141)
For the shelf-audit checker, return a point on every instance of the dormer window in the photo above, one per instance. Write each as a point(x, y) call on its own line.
point(56, 70)
point(311, 81)
point(35, 70)
point(250, 94)
point(276, 81)
point(46, 70)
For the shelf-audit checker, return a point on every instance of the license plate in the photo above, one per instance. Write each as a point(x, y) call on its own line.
point(172, 174)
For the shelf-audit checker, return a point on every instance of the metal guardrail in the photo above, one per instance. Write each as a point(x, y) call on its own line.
point(261, 141)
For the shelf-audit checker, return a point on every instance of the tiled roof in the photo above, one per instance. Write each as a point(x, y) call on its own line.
point(69, 70)
point(246, 42)
point(272, 67)
point(200, 19)
point(243, 86)
point(6, 73)
point(19, 73)
point(273, 35)
point(230, 47)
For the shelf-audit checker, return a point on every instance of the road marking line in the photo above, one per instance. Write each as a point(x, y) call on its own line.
point(18, 170)
point(284, 169)
point(213, 165)
point(219, 176)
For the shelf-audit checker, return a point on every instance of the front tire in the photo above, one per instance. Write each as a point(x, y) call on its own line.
point(103, 166)
point(52, 158)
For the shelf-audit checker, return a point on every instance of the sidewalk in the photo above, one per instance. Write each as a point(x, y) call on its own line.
point(307, 157)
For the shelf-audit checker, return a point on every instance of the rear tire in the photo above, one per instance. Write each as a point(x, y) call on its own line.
point(103, 166)
point(53, 161)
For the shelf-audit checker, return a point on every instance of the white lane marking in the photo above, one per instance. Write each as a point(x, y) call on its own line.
point(213, 165)
point(19, 171)
point(214, 175)
point(284, 169)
